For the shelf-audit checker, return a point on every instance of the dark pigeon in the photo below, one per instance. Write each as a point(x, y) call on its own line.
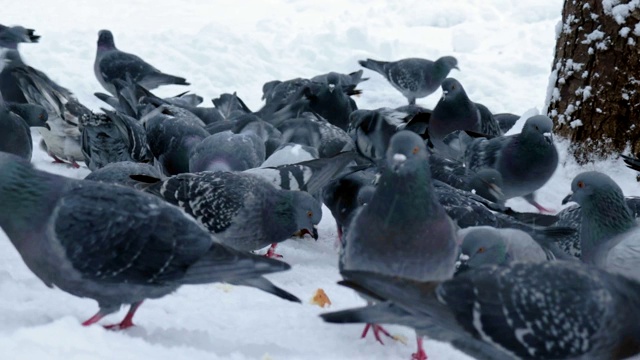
point(114, 244)
point(551, 310)
point(15, 136)
point(112, 64)
point(414, 78)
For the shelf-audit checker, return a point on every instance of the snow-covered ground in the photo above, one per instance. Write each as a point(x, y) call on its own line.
point(504, 48)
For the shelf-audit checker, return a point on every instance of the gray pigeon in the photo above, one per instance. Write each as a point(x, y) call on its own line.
point(112, 64)
point(414, 78)
point(609, 233)
point(114, 244)
point(11, 36)
point(550, 310)
point(572, 217)
point(120, 173)
point(171, 140)
point(486, 245)
point(244, 211)
point(34, 115)
point(526, 161)
point(403, 230)
point(25, 84)
point(455, 111)
point(226, 151)
point(15, 136)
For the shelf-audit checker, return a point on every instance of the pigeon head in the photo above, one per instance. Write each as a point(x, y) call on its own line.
point(304, 209)
point(11, 36)
point(406, 147)
point(365, 194)
point(446, 63)
point(105, 40)
point(540, 126)
point(482, 246)
point(452, 90)
point(605, 213)
point(488, 183)
point(34, 115)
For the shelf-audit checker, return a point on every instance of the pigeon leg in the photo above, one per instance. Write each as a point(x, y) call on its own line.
point(75, 165)
point(271, 253)
point(94, 319)
point(57, 160)
point(127, 322)
point(420, 354)
point(377, 329)
point(530, 199)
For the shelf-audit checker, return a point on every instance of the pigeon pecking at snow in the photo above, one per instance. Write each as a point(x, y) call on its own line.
point(413, 77)
point(114, 244)
point(244, 211)
point(549, 310)
point(112, 64)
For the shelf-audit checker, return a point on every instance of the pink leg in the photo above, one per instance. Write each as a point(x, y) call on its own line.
point(377, 329)
point(56, 160)
point(271, 253)
point(94, 319)
point(127, 322)
point(75, 165)
point(543, 209)
point(420, 354)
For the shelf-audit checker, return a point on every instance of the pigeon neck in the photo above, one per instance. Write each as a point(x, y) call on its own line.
point(603, 218)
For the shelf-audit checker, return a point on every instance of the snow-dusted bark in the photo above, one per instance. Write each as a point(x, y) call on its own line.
point(593, 89)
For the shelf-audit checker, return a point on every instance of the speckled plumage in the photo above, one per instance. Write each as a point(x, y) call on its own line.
point(552, 310)
point(243, 210)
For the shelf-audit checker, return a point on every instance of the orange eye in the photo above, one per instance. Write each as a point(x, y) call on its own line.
point(580, 184)
point(309, 213)
point(415, 150)
point(480, 250)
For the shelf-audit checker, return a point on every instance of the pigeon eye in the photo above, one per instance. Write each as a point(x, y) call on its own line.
point(580, 184)
point(309, 213)
point(41, 116)
point(480, 250)
point(415, 150)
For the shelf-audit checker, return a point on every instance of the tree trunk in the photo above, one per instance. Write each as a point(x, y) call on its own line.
point(593, 92)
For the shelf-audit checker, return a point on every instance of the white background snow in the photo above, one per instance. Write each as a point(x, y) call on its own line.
point(504, 48)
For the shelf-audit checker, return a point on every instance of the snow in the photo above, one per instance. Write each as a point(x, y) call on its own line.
point(505, 51)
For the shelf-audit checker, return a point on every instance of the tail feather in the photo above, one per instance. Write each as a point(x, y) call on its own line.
point(375, 65)
point(266, 286)
point(381, 313)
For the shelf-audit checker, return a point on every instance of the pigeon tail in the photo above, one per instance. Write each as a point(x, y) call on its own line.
point(266, 286)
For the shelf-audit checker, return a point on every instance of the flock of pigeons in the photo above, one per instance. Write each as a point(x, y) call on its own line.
point(184, 194)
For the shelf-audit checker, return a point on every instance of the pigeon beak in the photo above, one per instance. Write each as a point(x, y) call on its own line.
point(398, 160)
point(332, 87)
point(46, 126)
point(548, 137)
point(314, 235)
point(302, 232)
point(567, 199)
point(456, 67)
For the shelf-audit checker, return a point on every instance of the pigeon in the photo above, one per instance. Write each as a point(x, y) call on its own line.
point(371, 130)
point(486, 245)
point(11, 36)
point(413, 77)
point(331, 101)
point(120, 173)
point(226, 151)
point(230, 106)
point(549, 310)
point(34, 115)
point(114, 244)
point(571, 216)
point(526, 161)
point(455, 111)
point(111, 137)
point(20, 83)
point(244, 211)
point(15, 136)
point(112, 64)
point(338, 79)
point(312, 130)
point(171, 140)
point(403, 230)
point(609, 233)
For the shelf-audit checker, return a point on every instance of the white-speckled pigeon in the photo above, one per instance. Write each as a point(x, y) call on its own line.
point(244, 211)
point(609, 233)
point(114, 244)
point(112, 64)
point(550, 310)
point(526, 161)
point(414, 78)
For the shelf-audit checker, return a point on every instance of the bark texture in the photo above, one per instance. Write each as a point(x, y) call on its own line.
point(594, 87)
